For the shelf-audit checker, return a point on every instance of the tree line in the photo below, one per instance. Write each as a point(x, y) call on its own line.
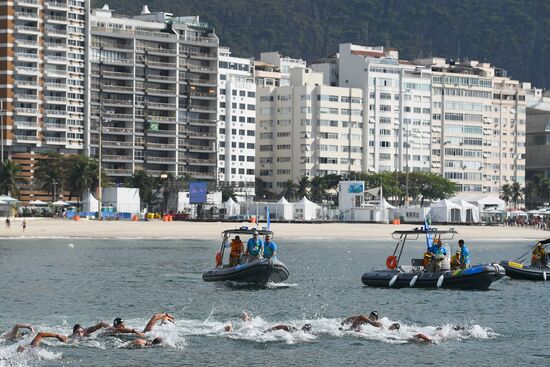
point(420, 187)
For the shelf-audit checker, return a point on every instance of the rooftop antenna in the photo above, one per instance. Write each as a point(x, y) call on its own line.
point(458, 52)
point(366, 34)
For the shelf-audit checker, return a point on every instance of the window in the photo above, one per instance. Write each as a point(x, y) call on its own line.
point(250, 133)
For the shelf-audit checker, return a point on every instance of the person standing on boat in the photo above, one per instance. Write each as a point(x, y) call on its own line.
point(438, 254)
point(539, 256)
point(464, 255)
point(255, 246)
point(236, 251)
point(270, 248)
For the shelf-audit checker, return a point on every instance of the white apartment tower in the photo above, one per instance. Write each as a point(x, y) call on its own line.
point(283, 63)
point(236, 122)
point(153, 94)
point(42, 48)
point(307, 129)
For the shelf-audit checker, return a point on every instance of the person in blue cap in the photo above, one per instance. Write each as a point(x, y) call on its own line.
point(255, 246)
point(270, 248)
point(464, 255)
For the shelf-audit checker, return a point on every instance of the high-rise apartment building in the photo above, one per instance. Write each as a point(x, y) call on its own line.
point(236, 122)
point(478, 120)
point(42, 51)
point(538, 133)
point(283, 63)
point(307, 129)
point(153, 94)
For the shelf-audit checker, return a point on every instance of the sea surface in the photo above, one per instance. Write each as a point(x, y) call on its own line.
point(55, 283)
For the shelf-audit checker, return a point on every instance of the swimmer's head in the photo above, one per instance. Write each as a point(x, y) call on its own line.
point(78, 330)
point(246, 316)
point(373, 315)
point(118, 322)
point(156, 341)
point(306, 328)
point(395, 326)
point(228, 328)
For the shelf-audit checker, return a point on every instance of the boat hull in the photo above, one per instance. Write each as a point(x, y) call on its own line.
point(478, 277)
point(257, 272)
point(525, 273)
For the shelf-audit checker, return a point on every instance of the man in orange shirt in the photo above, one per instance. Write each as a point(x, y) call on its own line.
point(236, 251)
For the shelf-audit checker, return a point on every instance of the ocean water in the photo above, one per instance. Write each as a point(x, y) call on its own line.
point(53, 286)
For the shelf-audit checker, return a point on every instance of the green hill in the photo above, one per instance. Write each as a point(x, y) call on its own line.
point(512, 34)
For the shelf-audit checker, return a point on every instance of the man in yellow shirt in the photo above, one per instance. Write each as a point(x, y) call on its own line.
point(236, 251)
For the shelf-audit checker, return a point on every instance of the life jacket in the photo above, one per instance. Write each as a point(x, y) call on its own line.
point(236, 248)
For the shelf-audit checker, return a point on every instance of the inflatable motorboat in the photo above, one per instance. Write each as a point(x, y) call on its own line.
point(516, 270)
point(255, 271)
point(416, 276)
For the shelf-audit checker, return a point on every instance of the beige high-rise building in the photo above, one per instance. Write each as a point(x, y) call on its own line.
point(307, 129)
point(153, 90)
point(42, 50)
point(478, 118)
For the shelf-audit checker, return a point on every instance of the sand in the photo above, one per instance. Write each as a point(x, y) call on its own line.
point(156, 229)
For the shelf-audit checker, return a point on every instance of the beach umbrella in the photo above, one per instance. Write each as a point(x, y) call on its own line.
point(8, 199)
point(60, 203)
point(37, 202)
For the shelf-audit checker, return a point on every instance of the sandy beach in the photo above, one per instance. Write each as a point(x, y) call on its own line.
point(156, 229)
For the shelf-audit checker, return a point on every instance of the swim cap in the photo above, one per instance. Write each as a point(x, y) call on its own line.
point(117, 321)
point(373, 315)
point(395, 326)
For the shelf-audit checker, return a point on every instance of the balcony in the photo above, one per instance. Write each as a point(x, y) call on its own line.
point(117, 158)
point(26, 111)
point(96, 29)
point(160, 78)
point(56, 19)
point(158, 64)
point(27, 29)
point(161, 105)
point(199, 40)
point(200, 148)
point(202, 108)
point(117, 130)
point(199, 55)
point(118, 172)
point(56, 46)
point(26, 98)
point(163, 51)
point(199, 68)
point(56, 113)
point(26, 43)
point(115, 74)
point(199, 82)
point(169, 133)
point(152, 117)
point(25, 138)
point(116, 144)
point(56, 5)
point(26, 15)
point(29, 2)
point(204, 95)
point(200, 122)
point(55, 127)
point(56, 59)
point(151, 159)
point(56, 140)
point(200, 135)
point(200, 162)
point(162, 146)
point(25, 70)
point(20, 56)
point(56, 32)
point(56, 72)
point(26, 124)
point(113, 88)
point(26, 83)
point(161, 92)
point(56, 86)
point(55, 99)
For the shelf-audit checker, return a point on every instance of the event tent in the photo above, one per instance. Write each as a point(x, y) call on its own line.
point(305, 210)
point(470, 212)
point(231, 208)
point(445, 211)
point(282, 209)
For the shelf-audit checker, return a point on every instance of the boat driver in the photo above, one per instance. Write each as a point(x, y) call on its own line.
point(464, 255)
point(236, 251)
point(270, 248)
point(539, 256)
point(255, 246)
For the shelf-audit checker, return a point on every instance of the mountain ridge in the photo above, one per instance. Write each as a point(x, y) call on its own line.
point(510, 34)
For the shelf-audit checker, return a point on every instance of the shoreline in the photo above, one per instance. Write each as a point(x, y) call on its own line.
point(49, 228)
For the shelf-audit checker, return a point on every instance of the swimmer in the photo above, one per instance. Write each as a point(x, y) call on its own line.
point(163, 316)
point(14, 333)
point(119, 327)
point(420, 338)
point(80, 332)
point(288, 328)
point(38, 339)
point(358, 320)
point(144, 343)
point(246, 316)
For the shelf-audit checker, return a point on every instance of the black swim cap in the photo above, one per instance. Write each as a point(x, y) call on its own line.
point(395, 326)
point(374, 315)
point(117, 321)
point(76, 327)
point(156, 341)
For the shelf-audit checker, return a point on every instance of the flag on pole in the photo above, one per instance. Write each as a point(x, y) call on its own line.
point(429, 239)
point(267, 216)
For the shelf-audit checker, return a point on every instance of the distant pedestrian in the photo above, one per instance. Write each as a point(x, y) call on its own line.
point(24, 224)
point(8, 222)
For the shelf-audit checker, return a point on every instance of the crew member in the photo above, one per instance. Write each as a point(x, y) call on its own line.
point(455, 260)
point(270, 248)
point(539, 256)
point(255, 246)
point(438, 254)
point(464, 255)
point(236, 251)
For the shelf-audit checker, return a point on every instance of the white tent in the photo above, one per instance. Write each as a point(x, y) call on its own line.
point(89, 203)
point(60, 203)
point(37, 203)
point(231, 208)
point(491, 203)
point(282, 209)
point(305, 209)
point(445, 211)
point(8, 199)
point(470, 212)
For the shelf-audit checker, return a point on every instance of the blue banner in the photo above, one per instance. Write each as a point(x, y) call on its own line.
point(197, 192)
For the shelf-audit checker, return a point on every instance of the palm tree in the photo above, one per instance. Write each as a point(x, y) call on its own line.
point(516, 193)
point(506, 193)
point(303, 187)
point(317, 189)
point(8, 178)
point(289, 189)
point(227, 191)
point(49, 173)
point(81, 175)
point(145, 183)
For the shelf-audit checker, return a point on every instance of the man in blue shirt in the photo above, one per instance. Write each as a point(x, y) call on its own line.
point(255, 246)
point(464, 255)
point(438, 254)
point(270, 248)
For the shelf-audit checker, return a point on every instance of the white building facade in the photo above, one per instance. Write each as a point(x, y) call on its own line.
point(283, 63)
point(236, 123)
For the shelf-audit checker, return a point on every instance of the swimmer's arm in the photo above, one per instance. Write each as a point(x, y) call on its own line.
point(374, 323)
point(38, 338)
point(95, 328)
point(423, 337)
point(127, 331)
point(12, 334)
point(163, 315)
